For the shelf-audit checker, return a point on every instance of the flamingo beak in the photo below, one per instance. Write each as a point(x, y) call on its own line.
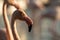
point(29, 22)
point(30, 27)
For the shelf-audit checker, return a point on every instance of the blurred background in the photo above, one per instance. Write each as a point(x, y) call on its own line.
point(45, 15)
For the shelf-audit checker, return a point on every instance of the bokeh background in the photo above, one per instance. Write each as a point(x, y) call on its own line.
point(45, 15)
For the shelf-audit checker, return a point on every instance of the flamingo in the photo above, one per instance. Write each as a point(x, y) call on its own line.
point(18, 14)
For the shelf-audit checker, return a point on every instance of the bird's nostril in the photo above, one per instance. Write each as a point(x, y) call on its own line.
point(30, 27)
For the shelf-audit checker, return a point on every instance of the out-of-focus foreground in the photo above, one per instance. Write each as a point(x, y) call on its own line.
point(45, 15)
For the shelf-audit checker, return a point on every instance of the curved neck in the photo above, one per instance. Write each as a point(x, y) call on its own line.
point(13, 27)
point(7, 25)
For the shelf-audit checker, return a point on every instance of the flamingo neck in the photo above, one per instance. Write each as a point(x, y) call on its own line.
point(6, 21)
point(14, 31)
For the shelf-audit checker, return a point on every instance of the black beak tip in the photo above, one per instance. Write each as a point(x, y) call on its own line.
point(30, 28)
